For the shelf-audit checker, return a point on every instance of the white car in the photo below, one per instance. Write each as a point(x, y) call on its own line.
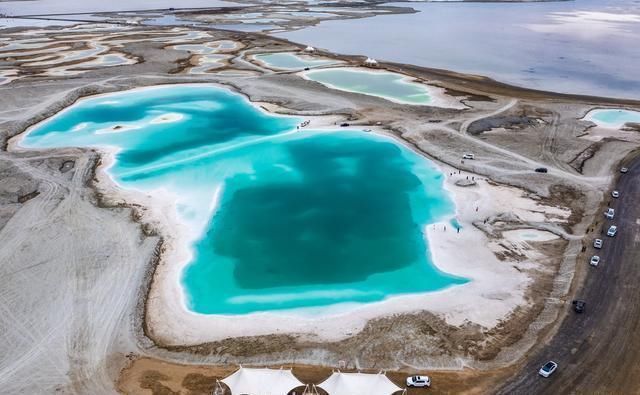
point(597, 243)
point(615, 194)
point(610, 213)
point(468, 156)
point(612, 231)
point(547, 369)
point(624, 170)
point(418, 381)
point(594, 260)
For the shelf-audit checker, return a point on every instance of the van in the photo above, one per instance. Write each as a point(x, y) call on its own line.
point(610, 213)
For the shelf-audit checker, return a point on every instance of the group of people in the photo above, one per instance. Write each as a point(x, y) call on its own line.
point(303, 124)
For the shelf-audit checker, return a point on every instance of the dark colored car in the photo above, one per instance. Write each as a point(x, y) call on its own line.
point(579, 305)
point(344, 124)
point(541, 170)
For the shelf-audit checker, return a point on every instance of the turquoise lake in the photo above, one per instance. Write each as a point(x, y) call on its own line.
point(283, 219)
point(614, 117)
point(291, 61)
point(384, 84)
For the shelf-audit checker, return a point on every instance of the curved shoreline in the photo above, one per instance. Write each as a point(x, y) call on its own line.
point(437, 95)
point(331, 326)
point(528, 325)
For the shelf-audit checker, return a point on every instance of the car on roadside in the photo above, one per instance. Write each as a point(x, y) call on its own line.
point(597, 243)
point(610, 213)
point(594, 260)
point(579, 305)
point(624, 170)
point(612, 231)
point(615, 194)
point(547, 369)
point(468, 156)
point(418, 381)
point(541, 170)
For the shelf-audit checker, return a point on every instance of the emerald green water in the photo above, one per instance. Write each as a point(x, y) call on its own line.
point(280, 219)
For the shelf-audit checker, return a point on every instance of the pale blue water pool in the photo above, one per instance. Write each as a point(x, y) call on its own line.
point(385, 84)
point(282, 219)
point(614, 118)
point(291, 61)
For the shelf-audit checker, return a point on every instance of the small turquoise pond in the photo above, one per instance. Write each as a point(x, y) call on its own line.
point(281, 219)
point(613, 118)
point(384, 84)
point(291, 61)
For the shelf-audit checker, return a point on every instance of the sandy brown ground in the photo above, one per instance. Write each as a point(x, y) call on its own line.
point(153, 377)
point(75, 273)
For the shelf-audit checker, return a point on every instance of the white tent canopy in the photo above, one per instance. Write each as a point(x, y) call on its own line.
point(358, 384)
point(309, 49)
point(251, 381)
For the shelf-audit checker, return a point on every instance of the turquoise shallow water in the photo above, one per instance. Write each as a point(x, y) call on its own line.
point(290, 61)
point(384, 84)
point(302, 219)
point(614, 117)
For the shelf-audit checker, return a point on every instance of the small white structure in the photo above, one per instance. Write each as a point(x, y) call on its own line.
point(309, 49)
point(359, 384)
point(262, 381)
point(371, 62)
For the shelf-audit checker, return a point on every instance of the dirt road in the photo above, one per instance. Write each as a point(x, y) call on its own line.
point(598, 351)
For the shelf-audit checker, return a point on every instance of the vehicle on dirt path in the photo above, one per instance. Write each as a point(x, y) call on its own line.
point(547, 369)
point(615, 194)
point(610, 213)
point(579, 305)
point(418, 381)
point(594, 260)
point(624, 170)
point(541, 170)
point(612, 231)
point(597, 243)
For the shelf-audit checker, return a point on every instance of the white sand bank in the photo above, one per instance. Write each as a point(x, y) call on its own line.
point(496, 287)
point(438, 97)
point(615, 129)
point(495, 290)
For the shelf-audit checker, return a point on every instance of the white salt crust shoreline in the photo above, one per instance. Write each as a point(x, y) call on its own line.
point(601, 130)
point(332, 62)
point(438, 96)
point(589, 116)
point(494, 285)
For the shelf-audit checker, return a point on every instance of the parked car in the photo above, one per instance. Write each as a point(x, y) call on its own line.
point(547, 369)
point(468, 156)
point(624, 170)
point(615, 194)
point(597, 243)
point(612, 231)
point(610, 213)
point(418, 381)
point(344, 124)
point(579, 305)
point(541, 170)
point(594, 260)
